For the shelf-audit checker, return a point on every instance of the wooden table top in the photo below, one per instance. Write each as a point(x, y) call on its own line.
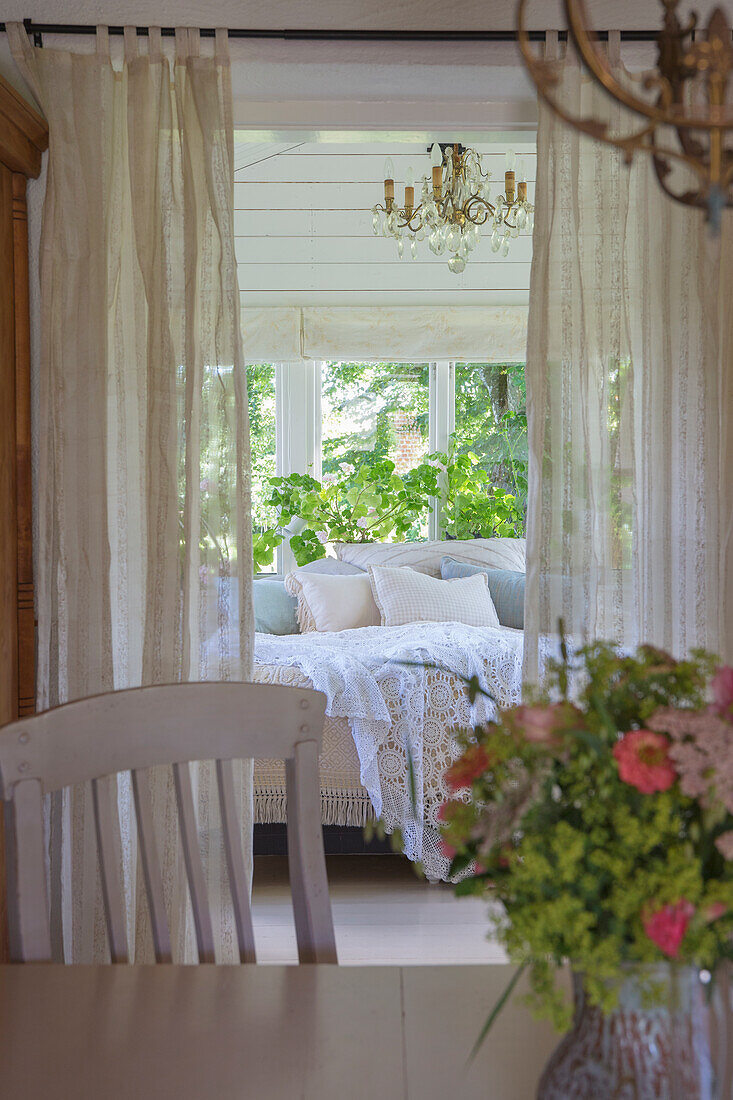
point(264, 1032)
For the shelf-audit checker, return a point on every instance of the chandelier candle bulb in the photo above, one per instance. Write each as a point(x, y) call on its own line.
point(388, 183)
point(409, 191)
point(460, 204)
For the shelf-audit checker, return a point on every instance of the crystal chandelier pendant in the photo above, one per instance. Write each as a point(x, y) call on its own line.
point(454, 204)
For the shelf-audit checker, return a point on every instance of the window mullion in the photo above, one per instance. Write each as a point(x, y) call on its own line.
point(441, 422)
point(298, 404)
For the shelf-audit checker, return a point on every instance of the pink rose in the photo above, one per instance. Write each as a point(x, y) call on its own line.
point(643, 761)
point(667, 926)
point(722, 685)
point(468, 767)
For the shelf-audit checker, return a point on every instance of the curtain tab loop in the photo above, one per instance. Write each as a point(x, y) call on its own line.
point(102, 47)
point(194, 42)
point(130, 38)
point(551, 45)
point(614, 47)
point(155, 43)
point(181, 45)
point(221, 44)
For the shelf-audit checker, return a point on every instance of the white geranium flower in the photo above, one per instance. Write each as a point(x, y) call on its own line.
point(363, 522)
point(347, 467)
point(322, 536)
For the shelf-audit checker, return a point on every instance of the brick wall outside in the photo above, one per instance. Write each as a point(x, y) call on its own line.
point(410, 449)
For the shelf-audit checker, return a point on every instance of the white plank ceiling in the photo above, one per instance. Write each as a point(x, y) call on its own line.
point(303, 225)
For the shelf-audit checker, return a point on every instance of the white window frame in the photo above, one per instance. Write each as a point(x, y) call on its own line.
point(297, 430)
point(299, 420)
point(441, 422)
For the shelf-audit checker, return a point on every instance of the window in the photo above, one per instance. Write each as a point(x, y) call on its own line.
point(491, 419)
point(491, 423)
point(372, 411)
point(262, 418)
point(380, 408)
point(322, 419)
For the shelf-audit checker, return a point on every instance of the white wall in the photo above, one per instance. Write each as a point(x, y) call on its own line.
point(304, 230)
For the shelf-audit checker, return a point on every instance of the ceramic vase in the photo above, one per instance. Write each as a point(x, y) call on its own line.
point(653, 1046)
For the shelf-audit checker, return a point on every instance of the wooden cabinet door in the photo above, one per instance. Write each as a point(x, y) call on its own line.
point(23, 137)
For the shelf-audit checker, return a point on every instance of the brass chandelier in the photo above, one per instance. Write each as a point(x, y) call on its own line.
point(687, 115)
point(455, 202)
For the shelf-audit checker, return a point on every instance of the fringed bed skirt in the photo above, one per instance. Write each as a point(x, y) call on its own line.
point(344, 801)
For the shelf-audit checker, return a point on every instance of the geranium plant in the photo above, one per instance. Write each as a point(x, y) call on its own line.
point(368, 504)
point(603, 822)
point(371, 502)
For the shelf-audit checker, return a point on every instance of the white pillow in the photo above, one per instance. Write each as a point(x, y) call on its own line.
point(329, 602)
point(332, 566)
point(405, 596)
point(425, 557)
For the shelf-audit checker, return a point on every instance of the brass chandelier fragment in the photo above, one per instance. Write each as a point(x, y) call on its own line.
point(688, 101)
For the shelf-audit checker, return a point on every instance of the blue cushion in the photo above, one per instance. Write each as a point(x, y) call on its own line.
point(506, 588)
point(275, 610)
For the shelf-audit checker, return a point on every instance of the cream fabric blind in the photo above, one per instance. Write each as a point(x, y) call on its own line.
point(495, 334)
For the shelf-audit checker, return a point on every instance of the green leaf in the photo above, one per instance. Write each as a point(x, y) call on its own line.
point(496, 1010)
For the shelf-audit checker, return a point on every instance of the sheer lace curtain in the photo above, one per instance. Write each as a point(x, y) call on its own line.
point(630, 400)
point(143, 549)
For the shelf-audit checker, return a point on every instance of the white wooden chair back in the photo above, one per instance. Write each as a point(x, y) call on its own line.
point(95, 739)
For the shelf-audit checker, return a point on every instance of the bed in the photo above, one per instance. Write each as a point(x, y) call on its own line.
point(382, 698)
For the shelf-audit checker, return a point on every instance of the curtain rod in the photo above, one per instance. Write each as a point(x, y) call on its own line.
point(37, 30)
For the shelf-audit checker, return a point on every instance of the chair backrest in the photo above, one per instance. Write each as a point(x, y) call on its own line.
point(95, 739)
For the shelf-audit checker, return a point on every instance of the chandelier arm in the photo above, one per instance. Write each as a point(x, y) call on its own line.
point(407, 222)
point(694, 199)
point(476, 200)
point(727, 175)
point(598, 66)
point(666, 110)
point(629, 144)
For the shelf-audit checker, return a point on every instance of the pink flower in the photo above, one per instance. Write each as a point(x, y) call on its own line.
point(715, 911)
point(724, 844)
point(643, 761)
point(447, 849)
point(701, 752)
point(722, 685)
point(667, 926)
point(542, 724)
point(468, 767)
point(448, 810)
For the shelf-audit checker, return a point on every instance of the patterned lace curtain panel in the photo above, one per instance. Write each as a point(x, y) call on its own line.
point(630, 399)
point(143, 511)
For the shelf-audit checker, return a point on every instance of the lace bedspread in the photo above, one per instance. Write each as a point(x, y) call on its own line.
point(376, 677)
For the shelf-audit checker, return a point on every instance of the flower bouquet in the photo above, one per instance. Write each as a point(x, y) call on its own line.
point(603, 823)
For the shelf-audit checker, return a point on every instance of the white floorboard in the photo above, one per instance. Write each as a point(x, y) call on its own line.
point(383, 915)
